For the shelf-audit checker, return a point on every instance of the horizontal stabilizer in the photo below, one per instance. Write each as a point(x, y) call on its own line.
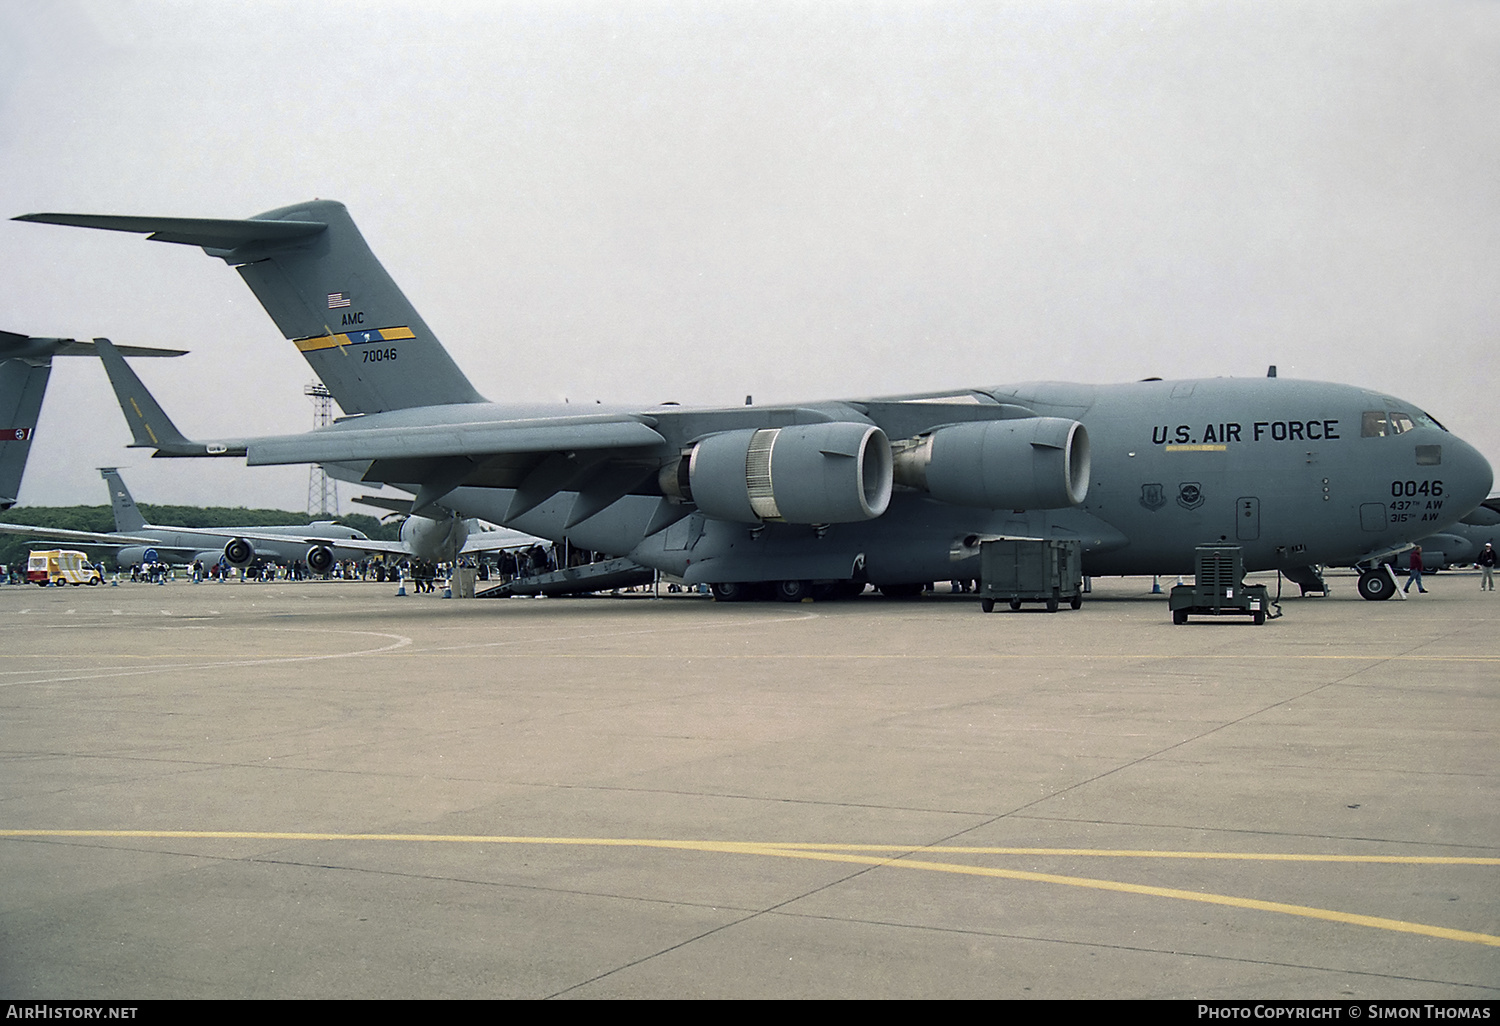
point(27, 347)
point(209, 233)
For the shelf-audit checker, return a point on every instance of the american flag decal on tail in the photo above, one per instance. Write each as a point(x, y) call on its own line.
point(336, 300)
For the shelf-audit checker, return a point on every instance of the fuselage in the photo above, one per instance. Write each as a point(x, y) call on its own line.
point(1295, 472)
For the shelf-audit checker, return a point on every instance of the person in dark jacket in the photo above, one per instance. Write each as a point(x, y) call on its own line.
point(1415, 577)
point(1486, 562)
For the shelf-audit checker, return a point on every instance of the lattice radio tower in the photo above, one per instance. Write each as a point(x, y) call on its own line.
point(322, 490)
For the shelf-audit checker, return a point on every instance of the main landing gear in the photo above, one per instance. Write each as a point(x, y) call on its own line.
point(784, 591)
point(1376, 585)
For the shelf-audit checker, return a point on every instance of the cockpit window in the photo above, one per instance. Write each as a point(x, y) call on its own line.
point(1379, 423)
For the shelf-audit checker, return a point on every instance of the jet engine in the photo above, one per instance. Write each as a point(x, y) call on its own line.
point(320, 559)
point(1030, 463)
point(832, 473)
point(133, 555)
point(239, 553)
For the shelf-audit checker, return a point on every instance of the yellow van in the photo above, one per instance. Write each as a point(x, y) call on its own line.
point(61, 566)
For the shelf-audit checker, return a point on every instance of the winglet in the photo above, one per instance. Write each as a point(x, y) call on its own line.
point(150, 426)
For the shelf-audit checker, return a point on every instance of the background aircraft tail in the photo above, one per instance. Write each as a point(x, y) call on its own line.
point(127, 517)
point(311, 269)
point(25, 366)
point(150, 427)
point(23, 383)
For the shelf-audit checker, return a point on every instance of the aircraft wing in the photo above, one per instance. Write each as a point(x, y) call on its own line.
point(475, 440)
point(439, 455)
point(285, 537)
point(81, 537)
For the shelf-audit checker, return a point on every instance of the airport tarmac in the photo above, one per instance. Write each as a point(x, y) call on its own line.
point(321, 790)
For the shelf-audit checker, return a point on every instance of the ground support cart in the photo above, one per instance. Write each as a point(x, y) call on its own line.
point(1219, 588)
point(1016, 570)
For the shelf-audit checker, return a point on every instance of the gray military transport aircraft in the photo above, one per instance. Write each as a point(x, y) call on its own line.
point(25, 366)
point(894, 491)
point(318, 544)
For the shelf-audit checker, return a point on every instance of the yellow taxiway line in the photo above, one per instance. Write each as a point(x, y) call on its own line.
point(898, 857)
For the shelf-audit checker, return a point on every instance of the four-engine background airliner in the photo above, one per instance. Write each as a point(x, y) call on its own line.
point(319, 545)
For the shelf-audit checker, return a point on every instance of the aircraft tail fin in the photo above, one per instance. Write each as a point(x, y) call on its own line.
point(315, 275)
point(127, 517)
point(25, 366)
point(23, 384)
point(150, 427)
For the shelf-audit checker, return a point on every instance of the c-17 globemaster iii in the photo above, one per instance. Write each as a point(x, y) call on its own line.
point(895, 491)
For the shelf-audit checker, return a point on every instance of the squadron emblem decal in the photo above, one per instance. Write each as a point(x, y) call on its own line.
point(1153, 496)
point(1189, 495)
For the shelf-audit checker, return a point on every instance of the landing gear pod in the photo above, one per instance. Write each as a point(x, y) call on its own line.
point(239, 553)
point(834, 473)
point(1031, 463)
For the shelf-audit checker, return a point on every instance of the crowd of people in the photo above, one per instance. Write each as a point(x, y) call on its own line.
point(500, 566)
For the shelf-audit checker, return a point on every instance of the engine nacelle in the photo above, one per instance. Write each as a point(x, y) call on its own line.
point(239, 553)
point(135, 555)
point(835, 473)
point(320, 559)
point(434, 540)
point(1030, 463)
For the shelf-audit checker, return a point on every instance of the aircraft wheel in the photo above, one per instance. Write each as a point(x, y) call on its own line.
point(988, 605)
point(730, 591)
point(1052, 605)
point(1015, 604)
point(1076, 602)
point(1179, 616)
point(793, 591)
point(1259, 617)
point(1375, 586)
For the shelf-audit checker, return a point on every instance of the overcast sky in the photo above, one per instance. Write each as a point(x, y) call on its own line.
point(638, 202)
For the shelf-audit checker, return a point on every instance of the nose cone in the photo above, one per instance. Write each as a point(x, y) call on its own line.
point(1467, 475)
